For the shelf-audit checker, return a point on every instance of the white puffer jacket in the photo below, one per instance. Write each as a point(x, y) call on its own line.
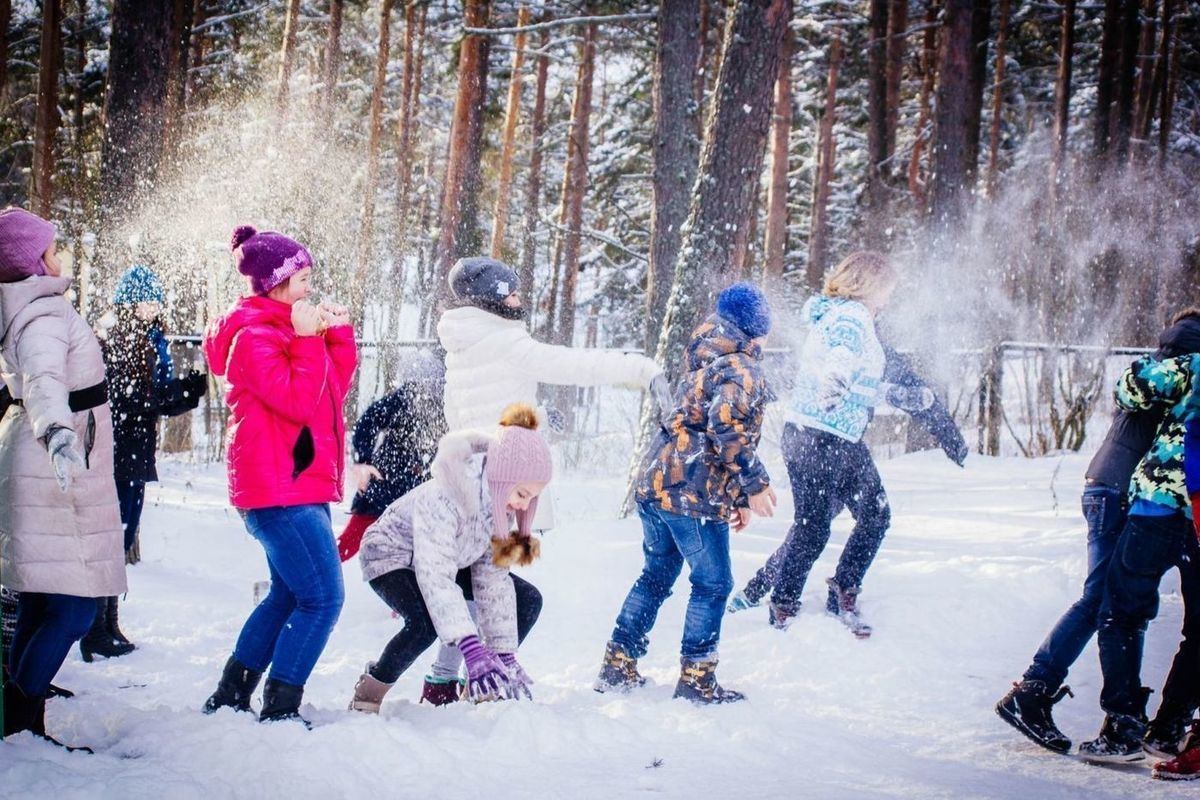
point(52, 541)
point(492, 362)
point(440, 527)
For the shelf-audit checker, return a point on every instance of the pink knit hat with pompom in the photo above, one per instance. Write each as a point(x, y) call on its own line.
point(267, 258)
point(24, 239)
point(517, 455)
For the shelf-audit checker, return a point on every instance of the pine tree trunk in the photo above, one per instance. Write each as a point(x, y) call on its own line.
point(1143, 102)
point(1062, 93)
point(951, 124)
point(332, 65)
point(897, 48)
point(199, 16)
point(46, 120)
point(775, 247)
point(410, 83)
point(818, 237)
point(287, 56)
point(1106, 77)
point(182, 12)
point(5, 21)
point(1167, 108)
point(916, 182)
point(675, 147)
point(998, 98)
point(981, 21)
point(533, 185)
point(512, 114)
point(462, 167)
point(1161, 66)
point(575, 183)
point(877, 115)
point(1122, 124)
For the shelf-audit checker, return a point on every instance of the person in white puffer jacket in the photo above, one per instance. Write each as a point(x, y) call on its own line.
point(492, 361)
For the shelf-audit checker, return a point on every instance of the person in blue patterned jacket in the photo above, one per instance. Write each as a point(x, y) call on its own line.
point(701, 474)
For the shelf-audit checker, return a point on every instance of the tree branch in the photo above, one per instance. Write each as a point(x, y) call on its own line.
point(558, 23)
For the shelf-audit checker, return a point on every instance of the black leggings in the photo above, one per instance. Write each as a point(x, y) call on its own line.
point(400, 591)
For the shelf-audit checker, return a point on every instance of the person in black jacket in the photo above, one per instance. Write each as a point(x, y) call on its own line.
point(1027, 706)
point(142, 387)
point(394, 442)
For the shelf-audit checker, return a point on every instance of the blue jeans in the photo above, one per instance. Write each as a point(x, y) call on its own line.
point(290, 627)
point(47, 626)
point(1104, 509)
point(667, 541)
point(132, 496)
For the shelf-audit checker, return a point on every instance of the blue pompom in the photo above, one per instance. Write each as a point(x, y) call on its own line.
point(746, 306)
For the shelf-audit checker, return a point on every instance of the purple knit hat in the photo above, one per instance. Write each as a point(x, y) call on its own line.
point(268, 258)
point(518, 455)
point(24, 239)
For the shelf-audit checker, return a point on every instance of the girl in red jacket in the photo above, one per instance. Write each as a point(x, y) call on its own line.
point(287, 365)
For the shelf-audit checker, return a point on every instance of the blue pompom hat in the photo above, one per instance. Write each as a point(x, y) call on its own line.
point(139, 284)
point(746, 306)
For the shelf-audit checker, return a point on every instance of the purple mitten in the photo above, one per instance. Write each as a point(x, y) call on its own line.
point(518, 678)
point(486, 677)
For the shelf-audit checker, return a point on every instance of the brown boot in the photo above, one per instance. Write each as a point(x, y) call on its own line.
point(698, 684)
point(369, 692)
point(618, 672)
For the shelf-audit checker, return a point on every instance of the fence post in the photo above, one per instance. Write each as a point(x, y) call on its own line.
point(991, 385)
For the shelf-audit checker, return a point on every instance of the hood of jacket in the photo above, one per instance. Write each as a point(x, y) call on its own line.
point(1181, 338)
point(463, 327)
point(246, 312)
point(458, 464)
point(716, 338)
point(17, 296)
point(819, 306)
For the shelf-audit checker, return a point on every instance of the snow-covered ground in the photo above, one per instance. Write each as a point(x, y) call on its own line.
point(978, 565)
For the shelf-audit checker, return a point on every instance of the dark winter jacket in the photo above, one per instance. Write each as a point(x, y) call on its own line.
point(142, 387)
point(936, 419)
point(398, 435)
point(1132, 432)
point(705, 464)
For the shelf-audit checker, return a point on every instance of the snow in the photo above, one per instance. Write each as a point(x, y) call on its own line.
point(978, 565)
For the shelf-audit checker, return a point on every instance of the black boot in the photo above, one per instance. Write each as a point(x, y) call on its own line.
point(1164, 737)
point(98, 641)
point(114, 629)
point(237, 683)
point(1027, 707)
point(698, 683)
point(25, 713)
point(281, 701)
point(1120, 739)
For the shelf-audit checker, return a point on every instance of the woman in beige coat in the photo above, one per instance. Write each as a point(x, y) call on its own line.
point(60, 525)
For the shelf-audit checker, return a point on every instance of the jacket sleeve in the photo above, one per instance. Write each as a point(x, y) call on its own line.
point(288, 378)
point(1148, 382)
point(737, 394)
point(435, 528)
point(366, 431)
point(495, 604)
point(42, 347)
point(843, 343)
point(343, 351)
point(580, 366)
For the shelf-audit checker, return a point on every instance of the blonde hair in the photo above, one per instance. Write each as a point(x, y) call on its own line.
point(861, 274)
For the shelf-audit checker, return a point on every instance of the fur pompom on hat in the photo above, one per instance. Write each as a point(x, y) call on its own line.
point(267, 258)
point(517, 455)
point(746, 306)
point(24, 239)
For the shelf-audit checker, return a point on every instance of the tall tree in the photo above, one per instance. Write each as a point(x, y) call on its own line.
point(775, 247)
point(916, 182)
point(675, 147)
point(1062, 92)
point(5, 21)
point(287, 57)
point(998, 97)
point(575, 183)
point(199, 18)
point(1143, 102)
point(331, 65)
point(730, 165)
point(512, 114)
point(951, 124)
point(1160, 68)
point(410, 90)
point(877, 112)
point(1171, 45)
point(466, 136)
point(47, 119)
point(178, 56)
point(533, 183)
point(981, 22)
point(818, 237)
point(897, 47)
point(1106, 76)
point(1122, 124)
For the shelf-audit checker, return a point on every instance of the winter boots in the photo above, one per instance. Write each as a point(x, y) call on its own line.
point(369, 692)
point(234, 689)
point(741, 602)
point(25, 713)
point(698, 683)
point(1186, 765)
point(113, 628)
point(281, 702)
point(618, 672)
point(1165, 736)
point(99, 641)
point(843, 604)
point(441, 691)
point(1120, 739)
point(781, 616)
point(1027, 707)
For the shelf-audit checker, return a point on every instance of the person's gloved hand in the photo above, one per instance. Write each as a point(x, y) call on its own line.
point(832, 390)
point(910, 398)
point(556, 420)
point(517, 676)
point(349, 542)
point(664, 400)
point(63, 446)
point(487, 679)
point(196, 383)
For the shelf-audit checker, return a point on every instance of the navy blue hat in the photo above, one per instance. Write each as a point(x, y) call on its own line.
point(139, 284)
point(746, 306)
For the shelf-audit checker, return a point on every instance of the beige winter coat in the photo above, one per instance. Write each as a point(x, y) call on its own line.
point(53, 541)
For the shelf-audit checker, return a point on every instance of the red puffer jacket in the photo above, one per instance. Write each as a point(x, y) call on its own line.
point(285, 440)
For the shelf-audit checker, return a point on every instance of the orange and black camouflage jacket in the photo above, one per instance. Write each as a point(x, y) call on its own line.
point(705, 464)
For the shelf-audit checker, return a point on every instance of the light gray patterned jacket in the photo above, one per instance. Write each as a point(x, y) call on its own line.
point(440, 527)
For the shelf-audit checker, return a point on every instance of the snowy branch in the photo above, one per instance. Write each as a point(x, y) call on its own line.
point(603, 238)
point(558, 23)
point(215, 21)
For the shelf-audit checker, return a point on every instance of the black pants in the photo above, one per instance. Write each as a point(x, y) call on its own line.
point(131, 495)
point(400, 591)
point(827, 474)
